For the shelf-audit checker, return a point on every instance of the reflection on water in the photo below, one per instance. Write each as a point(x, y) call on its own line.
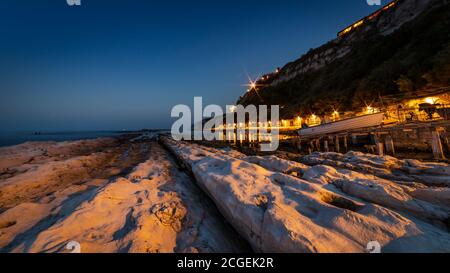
point(254, 137)
point(247, 138)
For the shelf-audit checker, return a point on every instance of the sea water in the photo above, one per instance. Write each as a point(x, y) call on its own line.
point(14, 138)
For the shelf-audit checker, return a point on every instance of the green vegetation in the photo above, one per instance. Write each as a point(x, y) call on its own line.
point(415, 57)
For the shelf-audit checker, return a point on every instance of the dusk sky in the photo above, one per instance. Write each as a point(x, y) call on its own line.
point(123, 64)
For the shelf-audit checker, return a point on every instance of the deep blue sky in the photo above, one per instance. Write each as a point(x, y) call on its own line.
point(123, 64)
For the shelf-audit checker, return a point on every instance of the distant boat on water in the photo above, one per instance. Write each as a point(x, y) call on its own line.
point(370, 120)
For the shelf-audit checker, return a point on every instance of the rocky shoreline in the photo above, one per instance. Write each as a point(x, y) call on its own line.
point(283, 206)
point(147, 195)
point(128, 197)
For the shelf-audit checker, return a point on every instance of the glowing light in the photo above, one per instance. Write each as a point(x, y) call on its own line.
point(252, 85)
point(335, 115)
point(233, 108)
point(347, 30)
point(358, 24)
point(313, 120)
point(430, 100)
point(299, 120)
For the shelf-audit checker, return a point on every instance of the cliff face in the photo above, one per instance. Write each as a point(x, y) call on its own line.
point(349, 64)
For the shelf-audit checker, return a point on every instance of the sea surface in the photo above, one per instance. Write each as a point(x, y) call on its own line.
point(14, 138)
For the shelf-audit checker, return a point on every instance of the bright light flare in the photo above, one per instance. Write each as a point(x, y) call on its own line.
point(431, 100)
point(252, 84)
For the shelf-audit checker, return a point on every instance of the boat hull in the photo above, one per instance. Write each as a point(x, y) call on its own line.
point(344, 125)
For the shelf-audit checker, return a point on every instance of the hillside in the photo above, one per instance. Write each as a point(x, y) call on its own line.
point(405, 49)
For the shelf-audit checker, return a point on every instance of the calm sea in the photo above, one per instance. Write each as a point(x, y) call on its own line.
point(14, 138)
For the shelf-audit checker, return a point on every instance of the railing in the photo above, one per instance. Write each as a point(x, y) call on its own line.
point(423, 113)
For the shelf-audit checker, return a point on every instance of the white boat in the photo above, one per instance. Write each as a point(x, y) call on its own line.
point(365, 121)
